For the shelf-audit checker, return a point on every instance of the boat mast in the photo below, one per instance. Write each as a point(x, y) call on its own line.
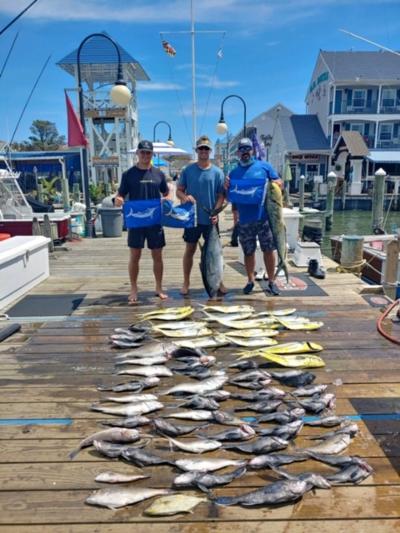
point(194, 114)
point(193, 33)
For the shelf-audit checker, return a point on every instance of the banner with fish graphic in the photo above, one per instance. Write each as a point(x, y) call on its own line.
point(178, 216)
point(142, 213)
point(246, 191)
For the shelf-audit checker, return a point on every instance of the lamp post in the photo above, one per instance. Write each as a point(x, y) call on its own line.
point(222, 126)
point(120, 94)
point(169, 141)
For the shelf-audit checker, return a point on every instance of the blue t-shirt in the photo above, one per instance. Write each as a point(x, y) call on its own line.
point(257, 170)
point(204, 185)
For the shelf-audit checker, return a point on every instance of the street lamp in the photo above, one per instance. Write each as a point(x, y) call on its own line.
point(169, 141)
point(222, 126)
point(120, 95)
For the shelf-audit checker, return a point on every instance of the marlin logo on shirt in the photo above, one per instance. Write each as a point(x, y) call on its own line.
point(184, 217)
point(247, 192)
point(147, 213)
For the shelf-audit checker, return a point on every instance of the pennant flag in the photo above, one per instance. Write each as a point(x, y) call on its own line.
point(76, 136)
point(180, 216)
point(142, 213)
point(246, 191)
point(259, 152)
point(169, 50)
point(220, 53)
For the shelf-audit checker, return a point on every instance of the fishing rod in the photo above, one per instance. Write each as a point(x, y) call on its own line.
point(8, 55)
point(27, 101)
point(17, 17)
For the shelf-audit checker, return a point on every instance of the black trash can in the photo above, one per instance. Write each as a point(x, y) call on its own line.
point(111, 221)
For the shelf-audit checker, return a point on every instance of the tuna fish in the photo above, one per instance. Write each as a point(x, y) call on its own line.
point(212, 263)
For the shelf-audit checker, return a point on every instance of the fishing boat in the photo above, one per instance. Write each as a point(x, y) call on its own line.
point(374, 256)
point(17, 216)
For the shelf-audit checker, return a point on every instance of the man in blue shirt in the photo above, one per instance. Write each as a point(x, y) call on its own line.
point(201, 183)
point(253, 221)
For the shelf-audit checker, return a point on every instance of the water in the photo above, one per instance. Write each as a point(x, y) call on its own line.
point(357, 223)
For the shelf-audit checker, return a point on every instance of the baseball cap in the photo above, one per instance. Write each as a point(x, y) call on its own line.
point(145, 145)
point(245, 143)
point(204, 141)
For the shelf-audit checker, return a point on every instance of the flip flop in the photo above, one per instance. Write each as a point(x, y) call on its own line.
point(132, 301)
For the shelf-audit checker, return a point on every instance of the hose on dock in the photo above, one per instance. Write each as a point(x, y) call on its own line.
point(380, 320)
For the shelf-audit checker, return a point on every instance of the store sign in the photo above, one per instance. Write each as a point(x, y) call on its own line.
point(304, 157)
point(105, 161)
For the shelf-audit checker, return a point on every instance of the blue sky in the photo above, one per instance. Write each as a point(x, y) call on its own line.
point(269, 51)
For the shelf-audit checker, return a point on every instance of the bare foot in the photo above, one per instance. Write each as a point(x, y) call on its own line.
point(185, 290)
point(133, 299)
point(222, 289)
point(162, 295)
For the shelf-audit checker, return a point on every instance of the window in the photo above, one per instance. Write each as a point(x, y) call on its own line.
point(388, 97)
point(359, 97)
point(357, 127)
point(386, 132)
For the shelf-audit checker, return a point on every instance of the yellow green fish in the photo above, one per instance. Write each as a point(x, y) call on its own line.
point(295, 361)
point(252, 343)
point(286, 348)
point(251, 333)
point(173, 504)
point(184, 332)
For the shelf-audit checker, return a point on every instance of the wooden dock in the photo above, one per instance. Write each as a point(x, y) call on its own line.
point(49, 373)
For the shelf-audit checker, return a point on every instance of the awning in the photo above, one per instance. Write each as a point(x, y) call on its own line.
point(384, 156)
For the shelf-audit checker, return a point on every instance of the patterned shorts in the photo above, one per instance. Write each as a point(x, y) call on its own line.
point(248, 234)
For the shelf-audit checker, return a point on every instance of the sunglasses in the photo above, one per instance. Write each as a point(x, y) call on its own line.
point(204, 148)
point(245, 149)
point(145, 152)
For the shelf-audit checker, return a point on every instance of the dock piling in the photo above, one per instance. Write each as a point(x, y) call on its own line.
point(377, 202)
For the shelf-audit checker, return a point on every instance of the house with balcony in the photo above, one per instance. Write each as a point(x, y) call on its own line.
point(357, 91)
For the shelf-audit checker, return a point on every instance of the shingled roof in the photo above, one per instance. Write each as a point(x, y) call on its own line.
point(346, 66)
point(303, 133)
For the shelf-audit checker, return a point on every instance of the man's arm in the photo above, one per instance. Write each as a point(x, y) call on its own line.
point(182, 196)
point(122, 192)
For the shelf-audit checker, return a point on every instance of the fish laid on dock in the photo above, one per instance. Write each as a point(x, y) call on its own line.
point(173, 504)
point(120, 435)
point(116, 497)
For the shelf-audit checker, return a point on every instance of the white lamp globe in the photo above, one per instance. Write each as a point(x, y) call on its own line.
point(121, 95)
point(222, 128)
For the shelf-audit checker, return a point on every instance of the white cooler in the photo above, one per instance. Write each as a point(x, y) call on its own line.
point(24, 262)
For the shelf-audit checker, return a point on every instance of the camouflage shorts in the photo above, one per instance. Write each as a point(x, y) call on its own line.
point(248, 234)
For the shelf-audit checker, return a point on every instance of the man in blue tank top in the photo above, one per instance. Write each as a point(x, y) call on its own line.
point(253, 221)
point(201, 183)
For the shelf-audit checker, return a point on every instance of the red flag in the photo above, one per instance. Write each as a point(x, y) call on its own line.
point(76, 136)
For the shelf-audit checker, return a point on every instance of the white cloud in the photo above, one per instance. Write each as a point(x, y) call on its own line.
point(209, 81)
point(145, 86)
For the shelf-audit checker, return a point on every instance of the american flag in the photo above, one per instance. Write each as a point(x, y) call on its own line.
point(258, 149)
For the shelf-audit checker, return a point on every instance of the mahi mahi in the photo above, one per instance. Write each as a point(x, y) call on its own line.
point(274, 210)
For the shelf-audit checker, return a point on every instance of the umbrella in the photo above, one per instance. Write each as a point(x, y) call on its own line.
point(158, 162)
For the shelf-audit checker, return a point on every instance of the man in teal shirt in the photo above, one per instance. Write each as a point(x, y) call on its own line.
point(201, 183)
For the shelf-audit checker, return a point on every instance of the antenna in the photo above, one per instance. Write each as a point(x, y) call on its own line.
point(370, 42)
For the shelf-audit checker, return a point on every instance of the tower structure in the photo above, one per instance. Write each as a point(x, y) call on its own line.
point(112, 130)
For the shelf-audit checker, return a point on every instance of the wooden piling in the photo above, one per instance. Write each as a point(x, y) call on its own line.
point(378, 200)
point(301, 192)
point(330, 200)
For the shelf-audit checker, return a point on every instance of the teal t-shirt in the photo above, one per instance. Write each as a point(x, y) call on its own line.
point(204, 185)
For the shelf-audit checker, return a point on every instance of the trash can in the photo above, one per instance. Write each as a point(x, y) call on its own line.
point(111, 221)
